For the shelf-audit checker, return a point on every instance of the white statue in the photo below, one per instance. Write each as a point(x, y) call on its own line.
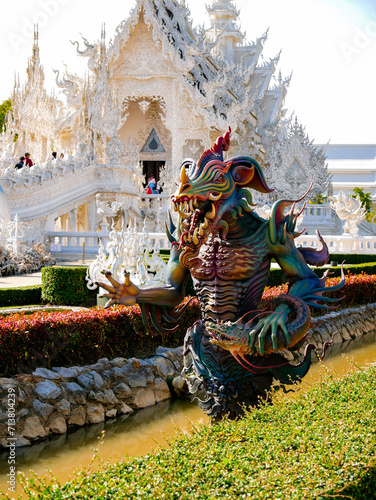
point(350, 210)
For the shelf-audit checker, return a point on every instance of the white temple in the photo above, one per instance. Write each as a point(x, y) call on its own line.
point(159, 91)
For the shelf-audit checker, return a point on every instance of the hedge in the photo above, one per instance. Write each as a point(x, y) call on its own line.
point(76, 338)
point(20, 296)
point(66, 286)
point(319, 444)
point(67, 338)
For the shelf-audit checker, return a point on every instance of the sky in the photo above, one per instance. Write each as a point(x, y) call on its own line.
point(328, 45)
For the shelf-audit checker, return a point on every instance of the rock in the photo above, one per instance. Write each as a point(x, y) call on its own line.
point(149, 375)
point(86, 381)
point(43, 409)
point(118, 372)
point(111, 413)
point(125, 408)
point(144, 362)
point(345, 334)
point(122, 391)
point(109, 397)
point(136, 363)
point(29, 390)
point(179, 351)
point(75, 393)
point(63, 407)
point(161, 390)
point(144, 398)
point(98, 380)
point(43, 372)
point(58, 425)
point(94, 413)
point(22, 413)
point(127, 369)
point(109, 376)
point(119, 362)
point(48, 390)
point(21, 396)
point(165, 367)
point(162, 350)
point(33, 428)
point(21, 441)
point(177, 365)
point(8, 383)
point(67, 373)
point(78, 416)
point(137, 379)
point(180, 384)
point(102, 361)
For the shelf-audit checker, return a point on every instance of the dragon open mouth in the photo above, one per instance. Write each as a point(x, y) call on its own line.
point(196, 216)
point(221, 338)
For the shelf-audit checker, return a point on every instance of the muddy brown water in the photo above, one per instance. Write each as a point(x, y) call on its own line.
point(145, 430)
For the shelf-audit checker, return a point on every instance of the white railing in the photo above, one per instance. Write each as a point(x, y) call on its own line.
point(340, 243)
point(72, 242)
point(322, 211)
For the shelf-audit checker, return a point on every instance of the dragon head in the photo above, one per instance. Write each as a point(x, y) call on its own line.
point(210, 188)
point(227, 335)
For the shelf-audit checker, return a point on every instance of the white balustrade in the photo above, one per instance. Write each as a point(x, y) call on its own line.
point(340, 243)
point(72, 242)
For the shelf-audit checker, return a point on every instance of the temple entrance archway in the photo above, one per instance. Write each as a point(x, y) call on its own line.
point(151, 168)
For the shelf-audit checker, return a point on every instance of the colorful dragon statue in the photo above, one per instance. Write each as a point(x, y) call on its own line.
point(236, 350)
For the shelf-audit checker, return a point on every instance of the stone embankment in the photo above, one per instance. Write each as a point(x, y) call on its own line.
point(51, 401)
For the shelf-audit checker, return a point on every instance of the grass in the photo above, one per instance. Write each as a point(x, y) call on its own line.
point(317, 444)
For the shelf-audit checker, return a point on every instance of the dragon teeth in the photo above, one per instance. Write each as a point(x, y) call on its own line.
point(191, 205)
point(201, 230)
point(205, 224)
point(211, 215)
point(194, 238)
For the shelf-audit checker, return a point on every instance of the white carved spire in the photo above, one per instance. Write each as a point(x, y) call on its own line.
point(224, 17)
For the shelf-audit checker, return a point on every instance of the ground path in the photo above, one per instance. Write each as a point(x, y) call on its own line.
point(63, 259)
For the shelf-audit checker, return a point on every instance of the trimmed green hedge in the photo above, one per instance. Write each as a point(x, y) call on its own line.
point(352, 258)
point(318, 444)
point(20, 296)
point(66, 286)
point(277, 276)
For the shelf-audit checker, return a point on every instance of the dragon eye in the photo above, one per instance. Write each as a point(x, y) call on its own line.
point(220, 178)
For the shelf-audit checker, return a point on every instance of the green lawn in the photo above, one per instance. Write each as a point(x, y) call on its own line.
point(317, 444)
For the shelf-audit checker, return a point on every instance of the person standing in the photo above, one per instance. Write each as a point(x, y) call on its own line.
point(28, 161)
point(54, 155)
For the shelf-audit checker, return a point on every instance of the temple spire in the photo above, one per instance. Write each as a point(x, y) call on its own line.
point(224, 17)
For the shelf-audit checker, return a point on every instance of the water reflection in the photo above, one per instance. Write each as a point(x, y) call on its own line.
point(141, 431)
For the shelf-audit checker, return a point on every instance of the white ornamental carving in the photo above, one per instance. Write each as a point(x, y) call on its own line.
point(350, 210)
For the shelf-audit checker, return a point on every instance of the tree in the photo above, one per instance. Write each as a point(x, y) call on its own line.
point(318, 199)
point(4, 108)
point(365, 200)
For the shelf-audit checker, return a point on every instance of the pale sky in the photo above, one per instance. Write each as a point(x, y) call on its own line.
point(329, 45)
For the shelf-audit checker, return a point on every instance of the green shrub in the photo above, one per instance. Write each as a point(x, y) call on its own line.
point(66, 338)
point(66, 286)
point(318, 444)
point(277, 276)
point(352, 258)
point(20, 296)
